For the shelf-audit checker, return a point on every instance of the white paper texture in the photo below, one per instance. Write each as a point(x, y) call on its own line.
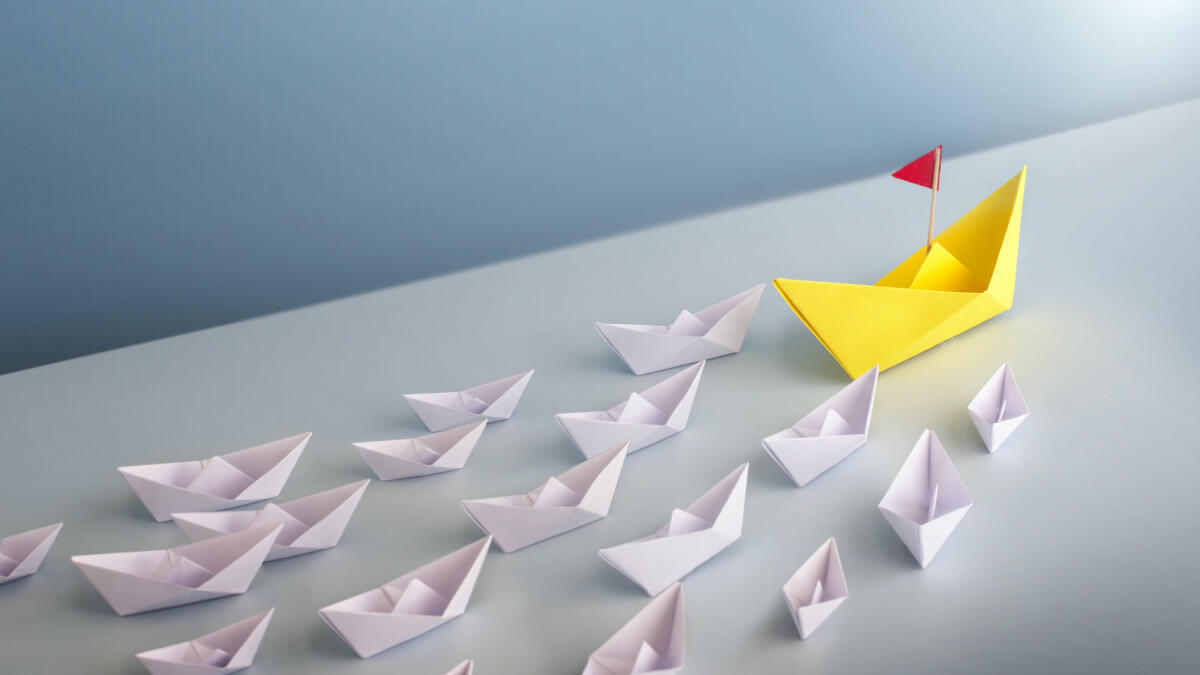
point(998, 409)
point(312, 523)
point(491, 402)
point(411, 605)
point(689, 538)
point(816, 589)
point(141, 581)
point(926, 500)
point(426, 455)
point(227, 650)
point(581, 495)
point(217, 483)
point(828, 434)
point(712, 332)
point(643, 419)
point(651, 643)
point(22, 554)
point(465, 668)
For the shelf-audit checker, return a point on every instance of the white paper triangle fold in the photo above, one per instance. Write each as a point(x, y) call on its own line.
point(465, 668)
point(141, 581)
point(651, 643)
point(22, 554)
point(426, 455)
point(411, 605)
point(690, 538)
point(816, 589)
point(581, 495)
point(491, 402)
point(224, 651)
point(217, 483)
point(828, 434)
point(926, 500)
point(712, 332)
point(312, 523)
point(643, 419)
point(998, 409)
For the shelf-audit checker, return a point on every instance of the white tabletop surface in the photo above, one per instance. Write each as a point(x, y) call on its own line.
point(1080, 554)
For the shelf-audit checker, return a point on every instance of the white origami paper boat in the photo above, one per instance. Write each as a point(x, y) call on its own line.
point(312, 523)
point(690, 537)
point(465, 668)
point(492, 402)
point(828, 434)
point(581, 495)
point(404, 608)
point(224, 651)
point(643, 419)
point(217, 483)
point(998, 409)
point(816, 589)
point(927, 499)
point(22, 554)
point(424, 455)
point(713, 331)
point(141, 581)
point(650, 644)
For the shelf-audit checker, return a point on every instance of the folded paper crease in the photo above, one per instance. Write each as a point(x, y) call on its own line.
point(967, 278)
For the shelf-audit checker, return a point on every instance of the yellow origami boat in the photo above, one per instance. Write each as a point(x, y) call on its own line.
point(966, 278)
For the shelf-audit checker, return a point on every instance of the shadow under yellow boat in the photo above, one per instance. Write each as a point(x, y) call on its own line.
point(965, 279)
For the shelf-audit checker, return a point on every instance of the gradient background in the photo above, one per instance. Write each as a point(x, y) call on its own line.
point(166, 166)
point(1078, 557)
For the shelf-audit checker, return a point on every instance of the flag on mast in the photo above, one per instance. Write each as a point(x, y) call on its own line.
point(923, 170)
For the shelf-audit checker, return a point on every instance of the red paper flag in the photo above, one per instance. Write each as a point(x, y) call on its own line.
point(920, 170)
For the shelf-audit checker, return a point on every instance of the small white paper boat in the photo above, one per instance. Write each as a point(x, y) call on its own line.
point(816, 589)
point(650, 644)
point(424, 455)
point(22, 554)
point(492, 402)
point(828, 434)
point(643, 419)
point(926, 500)
point(713, 331)
point(217, 483)
point(312, 523)
point(404, 608)
point(141, 581)
point(692, 536)
point(465, 668)
point(224, 651)
point(998, 409)
point(581, 495)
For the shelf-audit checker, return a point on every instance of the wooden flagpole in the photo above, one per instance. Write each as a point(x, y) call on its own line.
point(937, 175)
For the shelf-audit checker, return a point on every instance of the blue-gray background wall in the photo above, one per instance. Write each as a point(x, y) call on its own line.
point(166, 166)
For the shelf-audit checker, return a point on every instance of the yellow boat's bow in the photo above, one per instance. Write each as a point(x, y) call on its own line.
point(967, 278)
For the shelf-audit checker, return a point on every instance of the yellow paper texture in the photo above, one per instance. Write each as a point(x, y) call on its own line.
point(966, 279)
point(941, 271)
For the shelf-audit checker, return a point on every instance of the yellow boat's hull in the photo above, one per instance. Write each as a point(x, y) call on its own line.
point(925, 300)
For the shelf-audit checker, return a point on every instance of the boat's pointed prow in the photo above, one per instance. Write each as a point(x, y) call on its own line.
point(651, 642)
point(233, 646)
point(22, 554)
point(965, 279)
point(862, 326)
